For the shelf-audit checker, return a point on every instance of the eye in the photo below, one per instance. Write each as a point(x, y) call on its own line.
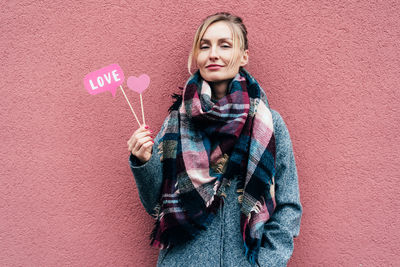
point(203, 47)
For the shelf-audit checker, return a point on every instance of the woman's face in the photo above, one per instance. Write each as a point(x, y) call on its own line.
point(215, 52)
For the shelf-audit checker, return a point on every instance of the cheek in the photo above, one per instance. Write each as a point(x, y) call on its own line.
point(201, 60)
point(226, 55)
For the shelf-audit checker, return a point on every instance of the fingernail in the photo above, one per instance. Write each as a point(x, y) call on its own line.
point(151, 131)
point(146, 127)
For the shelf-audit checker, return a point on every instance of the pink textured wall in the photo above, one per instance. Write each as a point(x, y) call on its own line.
point(331, 68)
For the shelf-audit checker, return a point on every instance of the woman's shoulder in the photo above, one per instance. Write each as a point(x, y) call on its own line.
point(277, 119)
point(280, 128)
point(283, 141)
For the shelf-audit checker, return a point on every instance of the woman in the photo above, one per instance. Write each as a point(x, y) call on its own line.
point(220, 177)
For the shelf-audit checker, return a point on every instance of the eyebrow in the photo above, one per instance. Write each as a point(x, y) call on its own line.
point(223, 39)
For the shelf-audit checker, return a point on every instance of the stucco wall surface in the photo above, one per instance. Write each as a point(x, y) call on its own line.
point(68, 198)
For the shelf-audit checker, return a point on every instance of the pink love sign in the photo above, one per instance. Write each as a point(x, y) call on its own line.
point(104, 79)
point(138, 84)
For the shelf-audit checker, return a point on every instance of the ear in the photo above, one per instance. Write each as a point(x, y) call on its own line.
point(245, 58)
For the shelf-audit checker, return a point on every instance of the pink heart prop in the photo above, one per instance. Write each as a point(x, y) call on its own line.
point(138, 84)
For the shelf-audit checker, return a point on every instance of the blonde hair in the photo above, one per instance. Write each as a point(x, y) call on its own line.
point(237, 27)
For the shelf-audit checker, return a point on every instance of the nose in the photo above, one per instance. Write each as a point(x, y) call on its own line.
point(213, 53)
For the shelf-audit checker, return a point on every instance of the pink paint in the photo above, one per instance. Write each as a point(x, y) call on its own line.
point(104, 79)
point(138, 84)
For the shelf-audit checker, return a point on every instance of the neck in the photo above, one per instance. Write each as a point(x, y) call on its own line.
point(219, 89)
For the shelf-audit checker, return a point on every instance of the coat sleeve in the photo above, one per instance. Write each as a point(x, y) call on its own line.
point(284, 224)
point(148, 176)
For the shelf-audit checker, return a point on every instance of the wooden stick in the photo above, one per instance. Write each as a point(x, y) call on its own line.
point(130, 106)
point(141, 103)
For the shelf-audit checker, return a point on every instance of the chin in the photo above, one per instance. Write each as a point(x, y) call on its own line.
point(214, 77)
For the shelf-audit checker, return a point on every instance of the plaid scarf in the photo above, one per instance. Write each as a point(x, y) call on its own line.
point(206, 144)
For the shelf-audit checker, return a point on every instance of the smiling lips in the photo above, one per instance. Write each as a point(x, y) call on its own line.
point(214, 67)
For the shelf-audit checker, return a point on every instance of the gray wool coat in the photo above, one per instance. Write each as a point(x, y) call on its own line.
point(221, 244)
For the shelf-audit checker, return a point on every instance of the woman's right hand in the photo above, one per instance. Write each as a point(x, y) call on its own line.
point(141, 143)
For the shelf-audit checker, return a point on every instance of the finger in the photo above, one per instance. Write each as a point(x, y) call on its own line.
point(132, 143)
point(140, 142)
point(144, 127)
point(131, 139)
point(144, 134)
point(138, 131)
point(145, 147)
